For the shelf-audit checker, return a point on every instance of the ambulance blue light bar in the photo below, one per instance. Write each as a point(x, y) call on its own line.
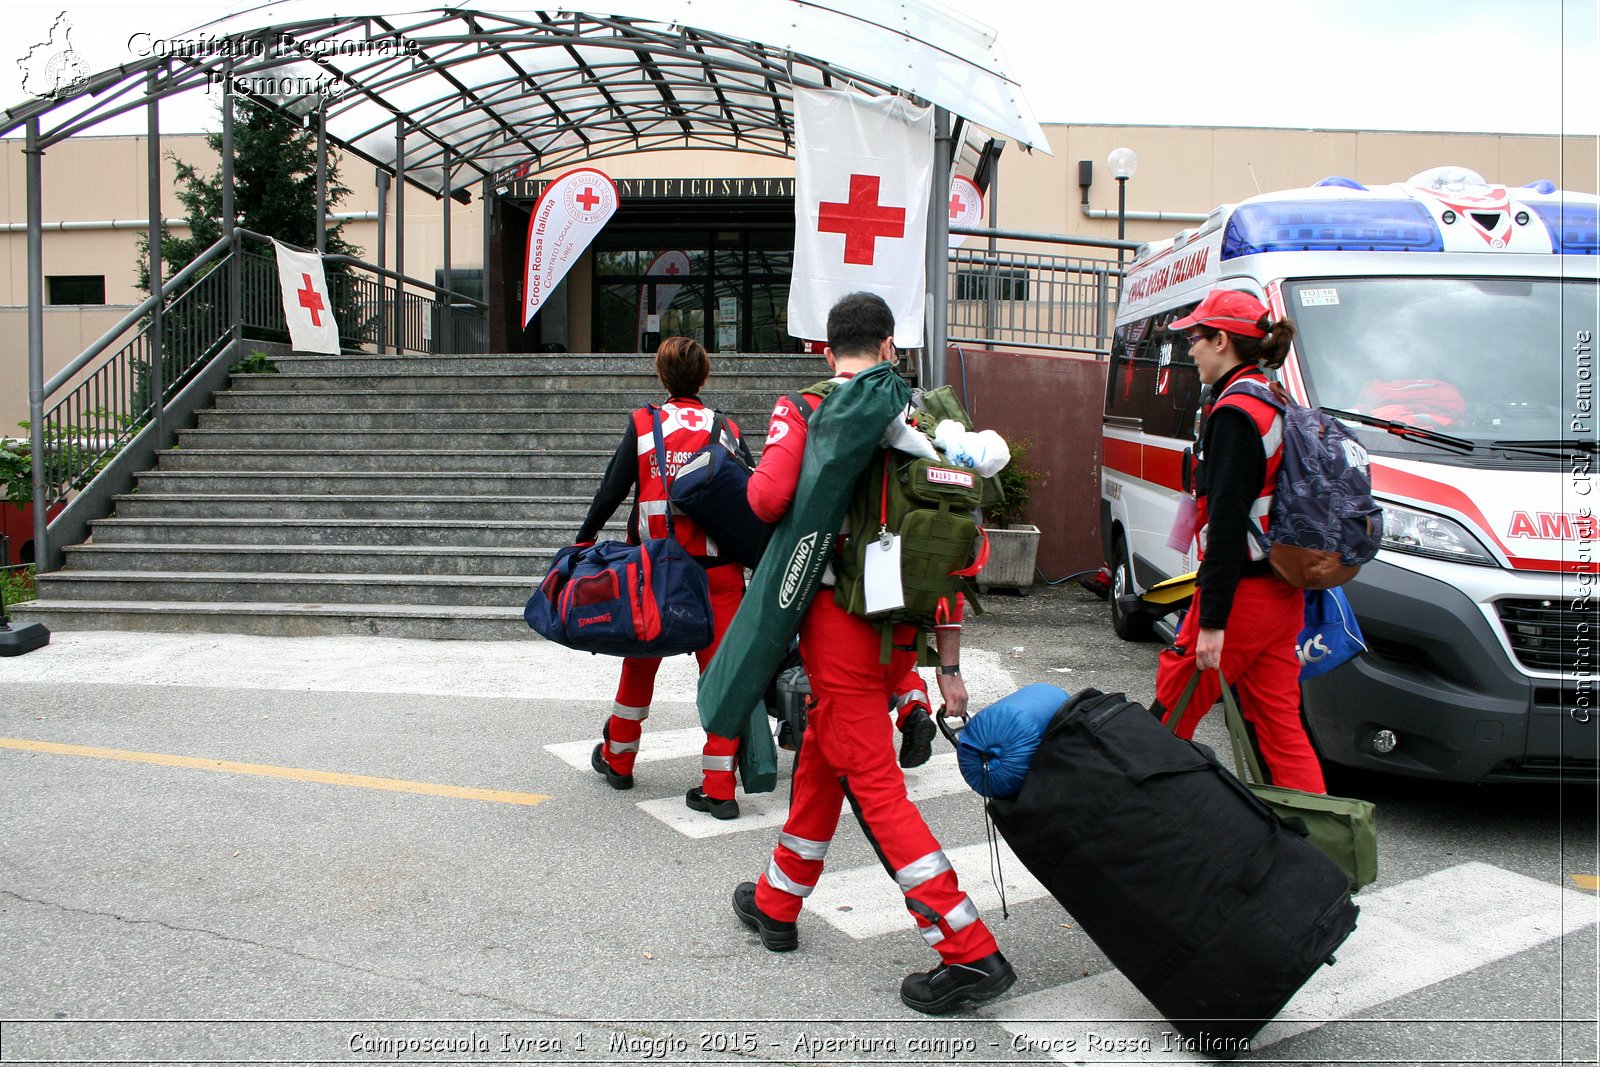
point(1574, 228)
point(1330, 226)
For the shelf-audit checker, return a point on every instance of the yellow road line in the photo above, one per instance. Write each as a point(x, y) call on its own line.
point(298, 774)
point(1587, 881)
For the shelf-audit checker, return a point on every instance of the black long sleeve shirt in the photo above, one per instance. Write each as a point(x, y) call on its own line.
point(1232, 469)
point(622, 473)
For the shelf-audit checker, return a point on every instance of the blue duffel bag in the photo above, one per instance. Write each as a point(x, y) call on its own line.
point(650, 599)
point(711, 489)
point(619, 599)
point(996, 748)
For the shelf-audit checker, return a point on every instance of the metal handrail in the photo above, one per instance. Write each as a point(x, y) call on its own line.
point(140, 311)
point(109, 401)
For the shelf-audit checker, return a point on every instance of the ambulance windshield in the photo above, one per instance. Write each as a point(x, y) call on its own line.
point(1483, 359)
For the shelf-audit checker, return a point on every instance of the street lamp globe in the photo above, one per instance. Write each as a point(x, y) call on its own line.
point(1122, 162)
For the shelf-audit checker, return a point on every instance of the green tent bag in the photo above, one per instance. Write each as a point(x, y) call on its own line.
point(841, 438)
point(758, 753)
point(1343, 828)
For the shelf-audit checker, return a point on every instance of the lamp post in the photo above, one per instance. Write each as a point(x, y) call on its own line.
point(1122, 162)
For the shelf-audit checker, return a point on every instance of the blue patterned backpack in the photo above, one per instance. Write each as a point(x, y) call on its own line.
point(1325, 524)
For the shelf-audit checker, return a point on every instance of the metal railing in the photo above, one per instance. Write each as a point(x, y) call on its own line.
point(116, 392)
point(1047, 300)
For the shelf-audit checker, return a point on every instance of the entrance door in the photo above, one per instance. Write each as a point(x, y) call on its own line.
point(727, 289)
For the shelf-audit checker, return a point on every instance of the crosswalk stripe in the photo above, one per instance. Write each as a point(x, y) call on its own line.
point(766, 811)
point(655, 747)
point(1409, 936)
point(865, 902)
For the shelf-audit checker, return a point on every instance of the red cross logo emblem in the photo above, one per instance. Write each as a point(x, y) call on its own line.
point(672, 268)
point(588, 199)
point(693, 418)
point(955, 205)
point(310, 299)
point(861, 219)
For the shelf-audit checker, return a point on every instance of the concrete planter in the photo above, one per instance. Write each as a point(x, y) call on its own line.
point(1013, 553)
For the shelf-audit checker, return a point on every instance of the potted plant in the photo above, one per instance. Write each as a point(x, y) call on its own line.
point(1013, 544)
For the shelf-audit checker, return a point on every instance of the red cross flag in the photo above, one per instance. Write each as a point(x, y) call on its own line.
point(863, 166)
point(305, 302)
point(572, 209)
point(966, 206)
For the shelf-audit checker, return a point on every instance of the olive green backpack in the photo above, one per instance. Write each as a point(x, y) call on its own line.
point(933, 506)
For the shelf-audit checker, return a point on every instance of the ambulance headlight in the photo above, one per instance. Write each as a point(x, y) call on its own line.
point(1424, 534)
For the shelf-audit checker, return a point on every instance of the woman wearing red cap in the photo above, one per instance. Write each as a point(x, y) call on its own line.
point(1244, 618)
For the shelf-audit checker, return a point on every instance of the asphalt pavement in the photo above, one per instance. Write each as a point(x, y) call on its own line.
point(356, 849)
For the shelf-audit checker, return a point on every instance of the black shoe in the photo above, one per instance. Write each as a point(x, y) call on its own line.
point(775, 935)
point(916, 738)
point(697, 800)
point(945, 988)
point(613, 779)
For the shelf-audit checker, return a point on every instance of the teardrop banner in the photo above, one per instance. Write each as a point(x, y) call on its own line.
point(573, 208)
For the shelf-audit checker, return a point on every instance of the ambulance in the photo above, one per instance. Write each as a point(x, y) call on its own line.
point(1451, 325)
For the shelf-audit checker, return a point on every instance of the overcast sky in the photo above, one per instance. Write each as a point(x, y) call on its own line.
point(1504, 66)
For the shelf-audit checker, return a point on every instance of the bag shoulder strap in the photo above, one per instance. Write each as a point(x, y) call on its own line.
point(1244, 753)
point(661, 464)
point(821, 389)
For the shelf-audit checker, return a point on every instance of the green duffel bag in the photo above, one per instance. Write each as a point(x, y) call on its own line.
point(1344, 828)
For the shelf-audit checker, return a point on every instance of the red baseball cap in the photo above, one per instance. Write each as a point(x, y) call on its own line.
point(1227, 309)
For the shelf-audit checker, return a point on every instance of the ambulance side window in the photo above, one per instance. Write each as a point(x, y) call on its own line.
point(1152, 378)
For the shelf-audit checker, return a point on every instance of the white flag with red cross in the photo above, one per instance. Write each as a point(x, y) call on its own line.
point(966, 207)
point(863, 168)
point(572, 209)
point(306, 302)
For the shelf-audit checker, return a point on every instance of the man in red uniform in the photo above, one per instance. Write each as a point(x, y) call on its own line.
point(686, 427)
point(849, 750)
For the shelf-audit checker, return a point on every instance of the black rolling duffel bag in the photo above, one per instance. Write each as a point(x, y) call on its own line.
point(1205, 900)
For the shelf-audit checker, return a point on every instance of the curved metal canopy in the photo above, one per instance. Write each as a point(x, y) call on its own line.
point(479, 90)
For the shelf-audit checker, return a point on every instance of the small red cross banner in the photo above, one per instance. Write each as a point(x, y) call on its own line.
point(966, 206)
point(571, 210)
point(863, 171)
point(306, 304)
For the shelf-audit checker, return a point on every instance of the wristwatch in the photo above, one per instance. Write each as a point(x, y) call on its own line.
point(949, 668)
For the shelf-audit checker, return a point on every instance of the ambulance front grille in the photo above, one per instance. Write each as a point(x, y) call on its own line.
point(1547, 635)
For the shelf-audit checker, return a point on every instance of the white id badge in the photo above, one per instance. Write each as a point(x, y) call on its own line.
point(881, 582)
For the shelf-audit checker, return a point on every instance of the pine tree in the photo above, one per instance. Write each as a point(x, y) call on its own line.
point(275, 191)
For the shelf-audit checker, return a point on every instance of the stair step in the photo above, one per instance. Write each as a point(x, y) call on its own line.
point(438, 534)
point(611, 404)
point(425, 622)
point(445, 420)
point(596, 382)
point(521, 483)
point(568, 509)
point(528, 563)
point(592, 363)
point(474, 590)
point(390, 440)
point(501, 461)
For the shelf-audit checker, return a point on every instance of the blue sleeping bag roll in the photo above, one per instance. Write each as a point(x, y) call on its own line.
point(997, 746)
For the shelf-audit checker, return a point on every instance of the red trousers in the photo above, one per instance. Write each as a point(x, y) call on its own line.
point(637, 687)
point(1259, 662)
point(849, 754)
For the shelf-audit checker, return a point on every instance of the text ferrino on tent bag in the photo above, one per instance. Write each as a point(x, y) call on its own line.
point(841, 439)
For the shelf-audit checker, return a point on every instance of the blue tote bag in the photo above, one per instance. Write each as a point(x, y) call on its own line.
point(1331, 636)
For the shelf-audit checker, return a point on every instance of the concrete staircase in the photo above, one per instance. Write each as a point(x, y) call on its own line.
point(405, 496)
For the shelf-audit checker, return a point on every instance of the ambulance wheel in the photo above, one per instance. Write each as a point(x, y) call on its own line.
point(1129, 625)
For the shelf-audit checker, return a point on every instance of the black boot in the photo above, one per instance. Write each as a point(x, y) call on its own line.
point(696, 800)
point(776, 936)
point(945, 988)
point(916, 738)
point(597, 760)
